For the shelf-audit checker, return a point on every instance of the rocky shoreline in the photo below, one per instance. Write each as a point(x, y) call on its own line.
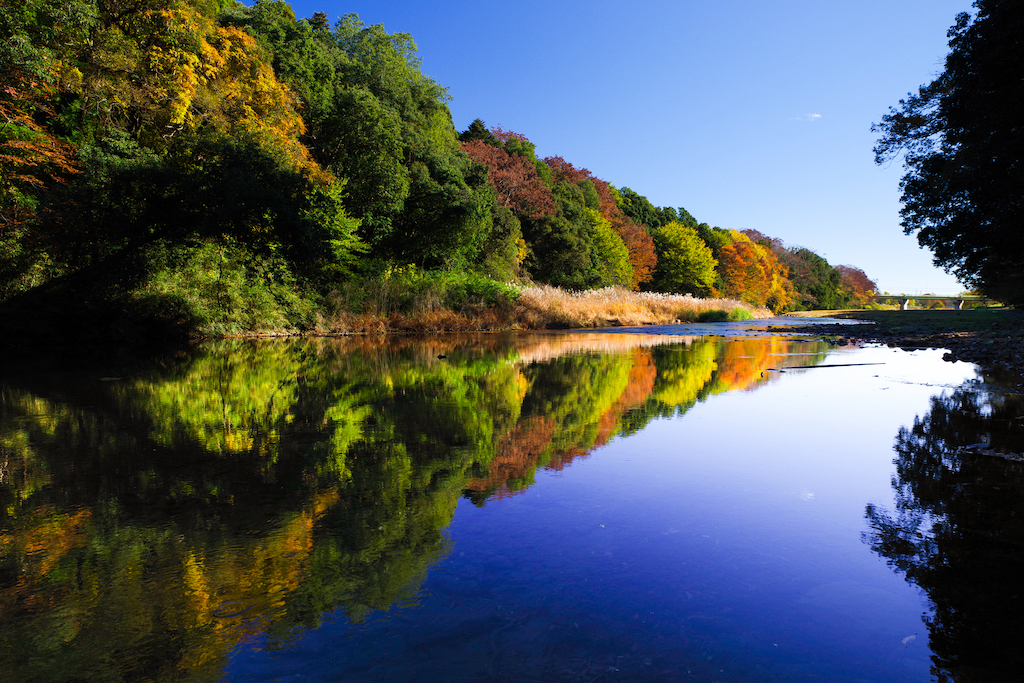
point(996, 347)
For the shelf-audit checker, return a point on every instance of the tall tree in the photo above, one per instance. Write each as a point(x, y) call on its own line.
point(857, 283)
point(514, 179)
point(612, 254)
point(685, 262)
point(963, 186)
point(478, 131)
point(389, 131)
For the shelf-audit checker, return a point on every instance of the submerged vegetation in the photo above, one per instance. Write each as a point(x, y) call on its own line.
point(207, 167)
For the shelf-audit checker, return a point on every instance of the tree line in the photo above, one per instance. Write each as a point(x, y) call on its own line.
point(211, 161)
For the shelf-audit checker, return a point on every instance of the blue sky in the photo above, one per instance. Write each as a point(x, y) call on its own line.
point(748, 113)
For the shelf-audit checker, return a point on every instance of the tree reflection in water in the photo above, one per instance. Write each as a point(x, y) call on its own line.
point(150, 525)
point(958, 529)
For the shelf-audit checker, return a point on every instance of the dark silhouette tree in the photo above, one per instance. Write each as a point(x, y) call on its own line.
point(963, 147)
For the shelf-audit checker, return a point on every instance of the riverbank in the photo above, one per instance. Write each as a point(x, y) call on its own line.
point(991, 337)
point(63, 314)
point(542, 307)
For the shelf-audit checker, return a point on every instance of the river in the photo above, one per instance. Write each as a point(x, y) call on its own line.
point(594, 507)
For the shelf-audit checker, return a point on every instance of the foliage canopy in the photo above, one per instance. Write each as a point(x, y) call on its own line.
point(168, 151)
point(963, 186)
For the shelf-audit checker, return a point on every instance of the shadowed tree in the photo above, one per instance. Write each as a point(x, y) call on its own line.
point(963, 153)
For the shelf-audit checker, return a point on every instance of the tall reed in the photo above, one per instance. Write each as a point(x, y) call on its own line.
point(544, 307)
point(547, 307)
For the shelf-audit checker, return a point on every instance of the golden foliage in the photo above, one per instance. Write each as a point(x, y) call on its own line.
point(170, 69)
point(753, 273)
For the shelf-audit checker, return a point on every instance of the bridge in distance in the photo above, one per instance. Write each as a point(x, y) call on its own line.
point(905, 299)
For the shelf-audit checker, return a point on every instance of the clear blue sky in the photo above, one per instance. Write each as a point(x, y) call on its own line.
point(748, 113)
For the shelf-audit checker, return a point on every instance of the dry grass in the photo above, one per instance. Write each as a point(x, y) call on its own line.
point(551, 307)
point(544, 307)
point(470, 319)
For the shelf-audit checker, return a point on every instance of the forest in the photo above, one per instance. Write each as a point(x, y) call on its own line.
point(216, 168)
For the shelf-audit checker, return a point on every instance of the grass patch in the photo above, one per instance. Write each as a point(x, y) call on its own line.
point(411, 300)
point(719, 315)
point(224, 290)
point(410, 291)
point(940, 320)
point(425, 302)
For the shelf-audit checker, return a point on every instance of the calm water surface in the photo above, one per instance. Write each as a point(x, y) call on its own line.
point(572, 507)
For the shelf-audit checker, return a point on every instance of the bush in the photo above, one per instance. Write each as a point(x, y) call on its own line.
point(713, 316)
point(409, 290)
point(224, 289)
point(719, 315)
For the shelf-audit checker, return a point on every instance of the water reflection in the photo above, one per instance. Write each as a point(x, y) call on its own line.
point(150, 523)
point(957, 529)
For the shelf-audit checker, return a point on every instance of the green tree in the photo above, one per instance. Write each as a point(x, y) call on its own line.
point(639, 208)
point(685, 263)
point(388, 130)
point(964, 154)
point(562, 246)
point(478, 131)
point(612, 255)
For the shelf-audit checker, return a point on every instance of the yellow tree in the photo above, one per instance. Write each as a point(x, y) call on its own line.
point(164, 69)
point(685, 262)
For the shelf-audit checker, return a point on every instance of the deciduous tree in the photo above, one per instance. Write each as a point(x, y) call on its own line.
point(753, 273)
point(963, 153)
point(514, 179)
point(685, 263)
point(856, 282)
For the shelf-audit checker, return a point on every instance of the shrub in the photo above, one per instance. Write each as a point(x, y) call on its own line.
point(409, 290)
point(713, 316)
point(223, 289)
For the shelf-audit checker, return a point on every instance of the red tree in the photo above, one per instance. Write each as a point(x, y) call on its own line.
point(514, 179)
point(506, 135)
point(642, 255)
point(564, 172)
point(859, 284)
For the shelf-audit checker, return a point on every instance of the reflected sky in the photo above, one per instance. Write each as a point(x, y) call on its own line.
point(593, 507)
point(723, 544)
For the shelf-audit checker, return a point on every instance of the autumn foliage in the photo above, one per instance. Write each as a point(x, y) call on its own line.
point(514, 179)
point(858, 284)
point(167, 150)
point(752, 273)
point(31, 157)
